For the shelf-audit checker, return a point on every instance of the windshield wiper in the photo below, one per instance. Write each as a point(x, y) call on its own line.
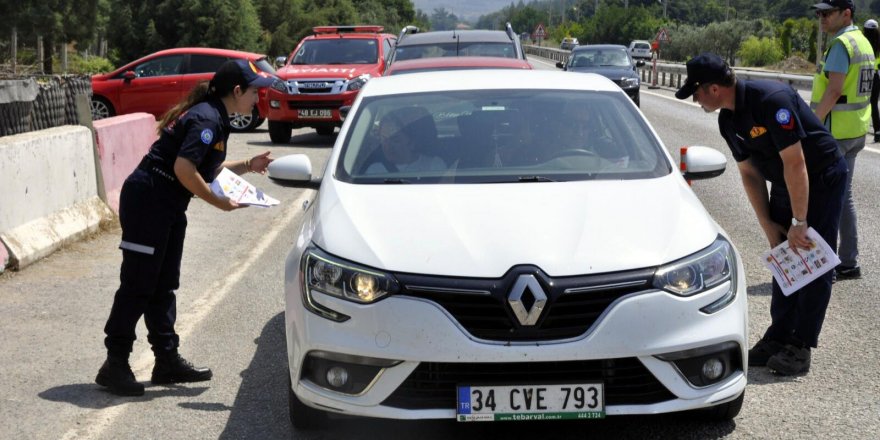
point(534, 179)
point(396, 181)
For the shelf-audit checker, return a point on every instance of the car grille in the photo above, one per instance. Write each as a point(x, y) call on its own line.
point(433, 385)
point(295, 104)
point(481, 306)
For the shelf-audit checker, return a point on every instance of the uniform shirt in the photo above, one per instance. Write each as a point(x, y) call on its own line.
point(769, 117)
point(199, 135)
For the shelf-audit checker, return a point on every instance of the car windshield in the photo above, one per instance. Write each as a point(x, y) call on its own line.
point(337, 51)
point(499, 136)
point(500, 50)
point(599, 58)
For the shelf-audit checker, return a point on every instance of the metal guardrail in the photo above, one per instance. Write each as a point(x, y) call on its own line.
point(673, 75)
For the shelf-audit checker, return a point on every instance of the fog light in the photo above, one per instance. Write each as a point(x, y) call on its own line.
point(713, 368)
point(274, 104)
point(338, 377)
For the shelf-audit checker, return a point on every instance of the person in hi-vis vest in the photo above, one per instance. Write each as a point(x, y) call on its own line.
point(841, 93)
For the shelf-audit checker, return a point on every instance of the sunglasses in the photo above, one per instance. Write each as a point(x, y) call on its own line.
point(826, 12)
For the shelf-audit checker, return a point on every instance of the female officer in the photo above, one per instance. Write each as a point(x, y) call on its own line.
point(190, 151)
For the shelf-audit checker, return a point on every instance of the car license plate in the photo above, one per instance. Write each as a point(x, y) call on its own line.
point(530, 402)
point(312, 113)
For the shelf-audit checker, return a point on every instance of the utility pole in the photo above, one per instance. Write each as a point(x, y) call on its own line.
point(596, 11)
point(727, 11)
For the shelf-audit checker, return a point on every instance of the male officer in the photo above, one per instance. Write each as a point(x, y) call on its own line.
point(841, 94)
point(775, 137)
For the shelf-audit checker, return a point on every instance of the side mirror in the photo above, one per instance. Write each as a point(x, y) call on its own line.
point(129, 75)
point(280, 61)
point(702, 163)
point(343, 111)
point(560, 65)
point(295, 168)
point(640, 63)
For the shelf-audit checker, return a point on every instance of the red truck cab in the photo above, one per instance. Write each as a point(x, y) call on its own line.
point(325, 72)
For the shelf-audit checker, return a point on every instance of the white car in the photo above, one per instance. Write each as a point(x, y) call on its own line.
point(640, 49)
point(519, 264)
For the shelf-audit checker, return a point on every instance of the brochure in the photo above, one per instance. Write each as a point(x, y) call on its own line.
point(793, 270)
point(233, 186)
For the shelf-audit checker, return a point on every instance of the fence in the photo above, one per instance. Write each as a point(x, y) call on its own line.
point(40, 102)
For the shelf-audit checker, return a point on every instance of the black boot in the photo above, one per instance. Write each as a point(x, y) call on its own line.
point(117, 376)
point(173, 368)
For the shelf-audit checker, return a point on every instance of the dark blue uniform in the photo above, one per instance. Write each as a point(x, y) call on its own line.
point(770, 116)
point(152, 212)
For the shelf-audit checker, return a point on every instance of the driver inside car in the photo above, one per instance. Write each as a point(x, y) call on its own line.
point(584, 133)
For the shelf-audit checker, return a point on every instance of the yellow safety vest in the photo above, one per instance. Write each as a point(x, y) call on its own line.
point(851, 115)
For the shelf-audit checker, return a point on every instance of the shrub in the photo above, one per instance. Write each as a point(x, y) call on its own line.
point(760, 52)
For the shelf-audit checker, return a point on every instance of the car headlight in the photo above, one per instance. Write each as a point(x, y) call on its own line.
point(324, 273)
point(358, 82)
point(280, 86)
point(630, 82)
point(699, 272)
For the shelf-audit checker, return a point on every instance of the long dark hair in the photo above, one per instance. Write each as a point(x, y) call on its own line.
point(873, 36)
point(222, 84)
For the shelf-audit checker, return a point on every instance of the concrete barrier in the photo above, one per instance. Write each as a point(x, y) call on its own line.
point(122, 142)
point(49, 195)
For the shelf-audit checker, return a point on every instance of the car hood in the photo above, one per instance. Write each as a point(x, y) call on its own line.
point(347, 71)
point(565, 228)
point(612, 73)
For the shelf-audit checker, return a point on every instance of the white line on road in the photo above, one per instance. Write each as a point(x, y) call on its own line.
point(99, 420)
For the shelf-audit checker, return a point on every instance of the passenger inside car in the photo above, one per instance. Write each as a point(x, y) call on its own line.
point(404, 136)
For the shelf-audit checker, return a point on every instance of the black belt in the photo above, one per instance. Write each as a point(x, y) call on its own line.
point(155, 169)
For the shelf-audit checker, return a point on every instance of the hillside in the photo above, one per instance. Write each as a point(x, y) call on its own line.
point(467, 9)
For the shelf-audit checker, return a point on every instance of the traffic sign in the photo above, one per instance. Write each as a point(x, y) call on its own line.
point(539, 31)
point(662, 35)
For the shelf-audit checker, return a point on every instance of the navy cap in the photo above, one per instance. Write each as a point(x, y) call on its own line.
point(835, 4)
point(703, 68)
point(235, 72)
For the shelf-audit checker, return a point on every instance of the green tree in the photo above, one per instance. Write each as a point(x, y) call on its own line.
point(756, 51)
point(442, 20)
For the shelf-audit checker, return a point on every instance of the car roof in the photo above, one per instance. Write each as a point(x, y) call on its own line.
point(497, 79)
point(598, 46)
point(450, 63)
point(466, 36)
point(207, 51)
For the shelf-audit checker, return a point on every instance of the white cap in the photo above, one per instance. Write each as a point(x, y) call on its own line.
point(871, 24)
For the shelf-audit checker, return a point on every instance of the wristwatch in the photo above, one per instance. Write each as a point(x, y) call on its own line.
point(796, 222)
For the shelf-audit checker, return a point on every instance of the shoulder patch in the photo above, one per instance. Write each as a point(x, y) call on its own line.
point(783, 117)
point(207, 136)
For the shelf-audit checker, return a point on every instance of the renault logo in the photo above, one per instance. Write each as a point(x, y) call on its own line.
point(523, 283)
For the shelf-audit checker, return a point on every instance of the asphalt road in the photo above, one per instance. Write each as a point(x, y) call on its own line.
point(230, 317)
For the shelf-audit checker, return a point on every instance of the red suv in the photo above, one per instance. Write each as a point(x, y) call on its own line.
point(325, 72)
point(156, 82)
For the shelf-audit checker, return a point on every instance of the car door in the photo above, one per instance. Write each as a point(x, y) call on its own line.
point(155, 87)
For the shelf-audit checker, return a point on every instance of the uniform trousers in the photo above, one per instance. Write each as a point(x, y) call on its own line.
point(797, 319)
point(152, 213)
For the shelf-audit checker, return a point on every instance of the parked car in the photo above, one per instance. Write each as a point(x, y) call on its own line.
point(413, 44)
point(156, 82)
point(455, 63)
point(608, 60)
point(568, 43)
point(640, 49)
point(517, 303)
point(324, 73)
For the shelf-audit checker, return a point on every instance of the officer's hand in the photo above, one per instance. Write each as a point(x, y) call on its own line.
point(228, 204)
point(797, 237)
point(260, 162)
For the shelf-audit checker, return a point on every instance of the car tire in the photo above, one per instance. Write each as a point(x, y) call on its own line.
point(724, 412)
point(301, 415)
point(279, 132)
point(325, 131)
point(101, 108)
point(243, 123)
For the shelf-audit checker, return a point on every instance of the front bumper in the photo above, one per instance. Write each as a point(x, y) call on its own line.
point(421, 341)
point(287, 108)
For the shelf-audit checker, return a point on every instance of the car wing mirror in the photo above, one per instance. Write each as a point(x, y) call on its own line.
point(280, 61)
point(640, 63)
point(293, 170)
point(560, 65)
point(343, 111)
point(129, 75)
point(702, 163)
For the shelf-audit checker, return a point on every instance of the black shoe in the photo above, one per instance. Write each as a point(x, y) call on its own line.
point(790, 361)
point(876, 137)
point(848, 272)
point(116, 375)
point(763, 350)
point(173, 368)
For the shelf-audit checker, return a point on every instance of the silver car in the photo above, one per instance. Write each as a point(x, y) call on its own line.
point(640, 49)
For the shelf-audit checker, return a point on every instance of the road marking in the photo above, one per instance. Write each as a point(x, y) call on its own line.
point(99, 420)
